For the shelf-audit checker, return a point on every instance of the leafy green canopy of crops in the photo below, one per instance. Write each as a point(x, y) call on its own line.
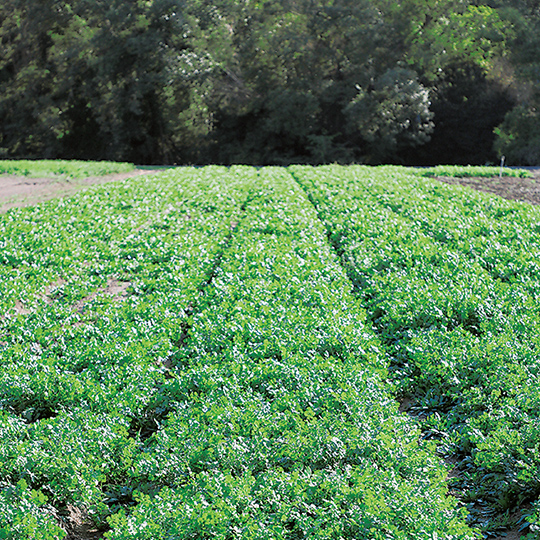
point(283, 428)
point(457, 171)
point(68, 168)
point(83, 370)
point(184, 357)
point(450, 279)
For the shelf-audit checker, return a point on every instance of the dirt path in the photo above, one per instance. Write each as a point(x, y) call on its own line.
point(17, 191)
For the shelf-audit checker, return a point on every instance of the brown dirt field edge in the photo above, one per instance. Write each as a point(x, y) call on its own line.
point(19, 191)
point(508, 187)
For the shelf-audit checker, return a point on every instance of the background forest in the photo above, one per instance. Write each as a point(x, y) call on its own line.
point(271, 82)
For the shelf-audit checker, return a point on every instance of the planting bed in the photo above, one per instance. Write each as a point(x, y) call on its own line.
point(220, 353)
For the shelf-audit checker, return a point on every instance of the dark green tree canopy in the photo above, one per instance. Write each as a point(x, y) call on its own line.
point(277, 81)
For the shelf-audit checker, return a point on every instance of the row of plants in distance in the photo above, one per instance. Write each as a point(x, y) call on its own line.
point(183, 357)
point(450, 279)
point(66, 168)
point(459, 171)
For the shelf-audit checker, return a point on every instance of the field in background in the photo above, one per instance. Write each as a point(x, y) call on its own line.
point(270, 353)
point(457, 171)
point(26, 183)
point(70, 169)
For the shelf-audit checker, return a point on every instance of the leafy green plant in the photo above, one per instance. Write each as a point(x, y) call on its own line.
point(24, 515)
point(217, 351)
point(456, 171)
point(281, 424)
point(95, 312)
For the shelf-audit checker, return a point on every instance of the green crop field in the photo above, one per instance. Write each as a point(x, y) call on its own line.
point(277, 353)
point(67, 168)
point(458, 171)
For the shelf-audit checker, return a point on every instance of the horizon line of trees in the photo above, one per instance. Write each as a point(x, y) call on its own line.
point(415, 82)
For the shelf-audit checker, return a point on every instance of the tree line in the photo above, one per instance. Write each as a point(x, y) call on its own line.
point(271, 82)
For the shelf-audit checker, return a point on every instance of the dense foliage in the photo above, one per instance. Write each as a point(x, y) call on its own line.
point(273, 82)
point(217, 352)
point(450, 280)
point(183, 357)
point(95, 301)
point(456, 171)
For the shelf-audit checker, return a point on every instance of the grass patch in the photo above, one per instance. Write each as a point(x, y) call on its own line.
point(68, 168)
point(459, 171)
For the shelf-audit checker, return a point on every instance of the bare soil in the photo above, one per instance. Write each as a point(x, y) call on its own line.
point(519, 189)
point(80, 525)
point(17, 191)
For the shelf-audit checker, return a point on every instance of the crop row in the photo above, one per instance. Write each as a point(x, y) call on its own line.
point(458, 171)
point(450, 279)
point(96, 293)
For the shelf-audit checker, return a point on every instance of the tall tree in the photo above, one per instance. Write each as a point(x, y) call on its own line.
point(95, 79)
point(518, 137)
